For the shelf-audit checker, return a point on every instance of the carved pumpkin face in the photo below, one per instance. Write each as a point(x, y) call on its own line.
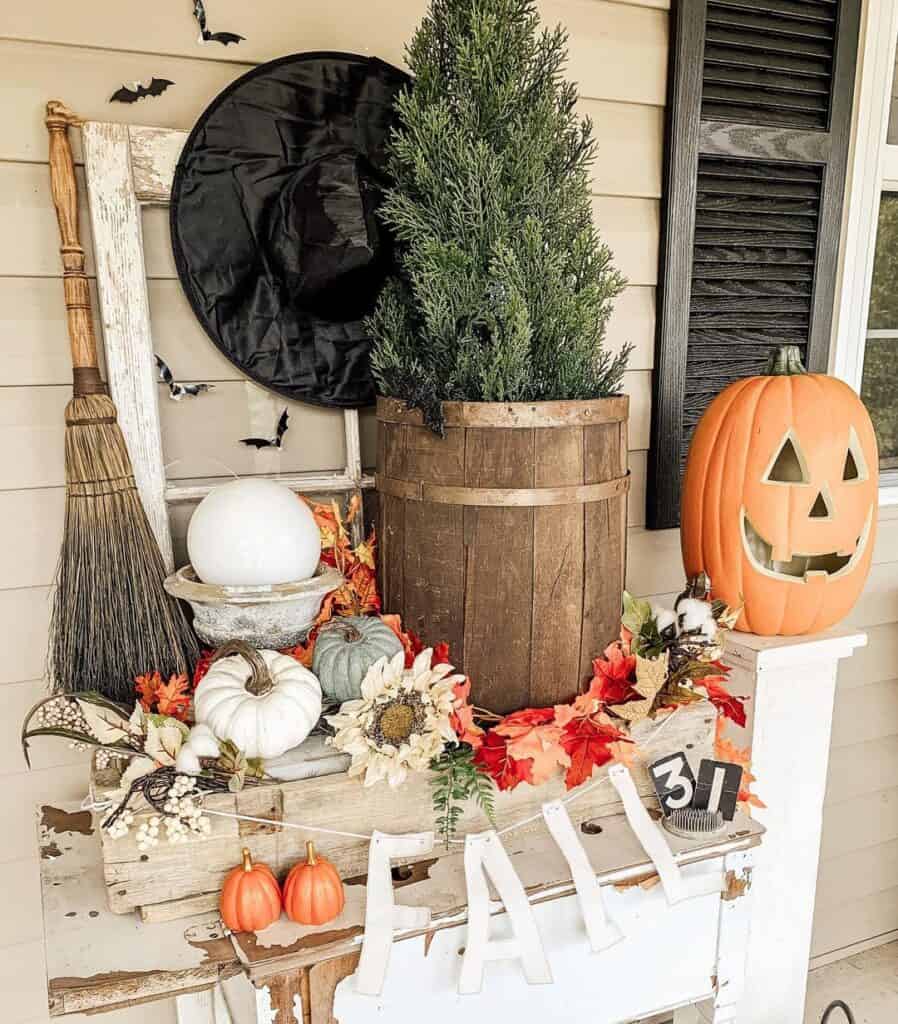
point(780, 498)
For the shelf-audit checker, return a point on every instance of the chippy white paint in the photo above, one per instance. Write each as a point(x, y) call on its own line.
point(382, 915)
point(485, 855)
point(601, 931)
point(125, 312)
point(639, 976)
point(791, 681)
point(127, 167)
point(648, 834)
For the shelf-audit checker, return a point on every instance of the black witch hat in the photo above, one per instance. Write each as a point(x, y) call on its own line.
point(273, 221)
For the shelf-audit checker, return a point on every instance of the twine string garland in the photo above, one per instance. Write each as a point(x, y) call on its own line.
point(582, 790)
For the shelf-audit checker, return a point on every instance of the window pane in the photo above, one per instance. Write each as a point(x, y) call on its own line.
point(880, 383)
point(892, 133)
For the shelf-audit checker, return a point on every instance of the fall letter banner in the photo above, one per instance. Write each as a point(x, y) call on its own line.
point(601, 930)
point(648, 834)
point(485, 854)
point(382, 915)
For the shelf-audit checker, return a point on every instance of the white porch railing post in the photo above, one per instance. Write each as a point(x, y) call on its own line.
point(792, 683)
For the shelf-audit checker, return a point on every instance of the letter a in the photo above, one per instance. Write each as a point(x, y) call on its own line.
point(485, 854)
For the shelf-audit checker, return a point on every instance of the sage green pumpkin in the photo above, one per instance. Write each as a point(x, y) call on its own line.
point(344, 651)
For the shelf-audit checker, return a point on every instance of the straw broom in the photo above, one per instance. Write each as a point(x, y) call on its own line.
point(111, 617)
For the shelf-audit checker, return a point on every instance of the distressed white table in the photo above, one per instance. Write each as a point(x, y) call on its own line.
point(670, 956)
point(792, 683)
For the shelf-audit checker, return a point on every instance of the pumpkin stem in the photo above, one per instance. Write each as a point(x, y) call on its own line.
point(311, 859)
point(350, 634)
point(785, 361)
point(247, 860)
point(260, 681)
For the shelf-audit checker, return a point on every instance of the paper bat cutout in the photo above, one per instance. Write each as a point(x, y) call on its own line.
point(199, 12)
point(128, 94)
point(177, 390)
point(269, 442)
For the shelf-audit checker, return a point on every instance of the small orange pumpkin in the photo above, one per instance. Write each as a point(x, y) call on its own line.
point(250, 897)
point(313, 892)
point(780, 498)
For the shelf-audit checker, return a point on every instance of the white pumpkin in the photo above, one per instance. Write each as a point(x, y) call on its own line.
point(265, 703)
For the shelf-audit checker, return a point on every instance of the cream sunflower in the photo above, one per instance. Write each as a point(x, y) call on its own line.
point(401, 721)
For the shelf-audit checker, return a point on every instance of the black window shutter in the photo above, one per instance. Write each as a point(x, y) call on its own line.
point(758, 123)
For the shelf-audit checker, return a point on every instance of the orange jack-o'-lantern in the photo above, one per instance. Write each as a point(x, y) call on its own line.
point(780, 497)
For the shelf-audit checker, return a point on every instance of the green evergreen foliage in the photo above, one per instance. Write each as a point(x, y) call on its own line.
point(505, 286)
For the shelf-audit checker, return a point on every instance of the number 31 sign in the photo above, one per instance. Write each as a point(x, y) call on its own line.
point(717, 787)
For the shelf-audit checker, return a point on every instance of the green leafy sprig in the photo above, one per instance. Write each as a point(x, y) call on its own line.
point(457, 778)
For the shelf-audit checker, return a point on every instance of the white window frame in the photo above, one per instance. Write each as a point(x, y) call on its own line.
point(872, 169)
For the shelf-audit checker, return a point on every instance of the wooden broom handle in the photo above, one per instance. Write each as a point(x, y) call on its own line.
point(79, 315)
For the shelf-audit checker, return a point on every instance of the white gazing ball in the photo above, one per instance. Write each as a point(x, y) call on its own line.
point(253, 532)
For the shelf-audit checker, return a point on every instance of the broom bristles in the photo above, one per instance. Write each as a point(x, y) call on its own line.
point(111, 619)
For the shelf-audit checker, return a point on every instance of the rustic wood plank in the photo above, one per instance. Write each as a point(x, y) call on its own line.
point(96, 959)
point(511, 415)
point(323, 980)
point(391, 525)
point(116, 227)
point(154, 157)
point(557, 570)
point(434, 563)
point(604, 540)
point(171, 873)
point(518, 497)
point(499, 568)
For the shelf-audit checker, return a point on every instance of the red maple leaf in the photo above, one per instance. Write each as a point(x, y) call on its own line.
point(587, 743)
point(505, 770)
point(613, 676)
point(727, 704)
point(202, 666)
point(520, 722)
point(440, 654)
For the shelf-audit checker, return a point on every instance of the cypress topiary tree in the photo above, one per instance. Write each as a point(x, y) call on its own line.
point(505, 287)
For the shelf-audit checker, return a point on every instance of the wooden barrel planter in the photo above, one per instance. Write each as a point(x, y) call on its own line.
point(507, 538)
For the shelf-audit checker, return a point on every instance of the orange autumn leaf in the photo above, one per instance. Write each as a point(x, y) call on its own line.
point(364, 552)
point(363, 583)
point(353, 509)
point(542, 745)
point(172, 698)
point(303, 653)
point(624, 752)
point(726, 750)
point(146, 687)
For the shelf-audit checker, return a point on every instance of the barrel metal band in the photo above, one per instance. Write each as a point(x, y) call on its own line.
point(522, 497)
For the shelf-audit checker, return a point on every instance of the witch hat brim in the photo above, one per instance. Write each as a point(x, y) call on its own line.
point(273, 221)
